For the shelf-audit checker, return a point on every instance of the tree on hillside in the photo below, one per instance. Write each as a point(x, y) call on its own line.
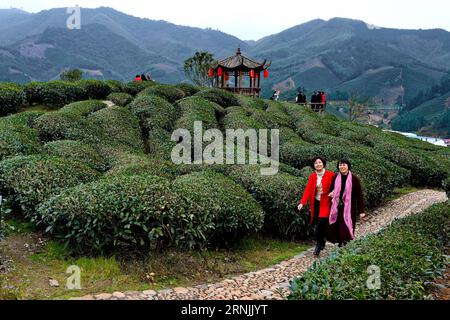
point(444, 122)
point(72, 75)
point(408, 123)
point(196, 68)
point(436, 90)
point(358, 105)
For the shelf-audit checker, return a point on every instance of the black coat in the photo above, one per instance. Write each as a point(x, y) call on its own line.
point(338, 231)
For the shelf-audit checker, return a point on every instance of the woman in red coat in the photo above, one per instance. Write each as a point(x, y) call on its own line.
point(316, 193)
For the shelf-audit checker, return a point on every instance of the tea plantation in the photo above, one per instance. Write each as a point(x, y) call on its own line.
point(101, 179)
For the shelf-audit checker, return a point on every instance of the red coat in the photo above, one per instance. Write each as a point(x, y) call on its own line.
point(325, 200)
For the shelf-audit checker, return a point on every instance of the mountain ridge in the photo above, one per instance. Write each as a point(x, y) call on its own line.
point(319, 54)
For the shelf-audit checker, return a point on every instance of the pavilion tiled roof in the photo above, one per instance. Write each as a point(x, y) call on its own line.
point(239, 61)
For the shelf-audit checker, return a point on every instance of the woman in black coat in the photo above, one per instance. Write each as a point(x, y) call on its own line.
point(347, 203)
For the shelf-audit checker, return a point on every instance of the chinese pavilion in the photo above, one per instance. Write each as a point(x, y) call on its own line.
point(242, 69)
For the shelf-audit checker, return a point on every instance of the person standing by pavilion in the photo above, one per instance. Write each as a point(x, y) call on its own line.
point(314, 99)
point(324, 100)
point(319, 101)
point(275, 96)
point(301, 98)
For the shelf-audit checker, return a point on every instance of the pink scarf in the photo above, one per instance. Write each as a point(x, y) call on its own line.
point(347, 198)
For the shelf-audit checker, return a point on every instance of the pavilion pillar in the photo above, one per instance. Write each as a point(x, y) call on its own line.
point(235, 81)
point(251, 84)
point(240, 81)
point(259, 83)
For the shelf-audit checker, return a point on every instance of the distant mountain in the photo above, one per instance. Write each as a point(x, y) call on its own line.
point(429, 118)
point(340, 54)
point(96, 50)
point(109, 44)
point(158, 37)
point(343, 54)
point(428, 113)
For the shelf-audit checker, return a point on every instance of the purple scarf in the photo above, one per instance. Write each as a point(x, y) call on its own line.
point(347, 198)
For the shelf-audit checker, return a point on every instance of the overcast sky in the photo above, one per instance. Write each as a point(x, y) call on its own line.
point(252, 19)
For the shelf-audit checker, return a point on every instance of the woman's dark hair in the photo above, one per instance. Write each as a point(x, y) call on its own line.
point(346, 161)
point(313, 160)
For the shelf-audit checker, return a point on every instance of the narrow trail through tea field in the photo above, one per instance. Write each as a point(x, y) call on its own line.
point(272, 283)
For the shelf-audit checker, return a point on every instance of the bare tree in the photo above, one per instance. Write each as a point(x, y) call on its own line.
point(196, 68)
point(358, 105)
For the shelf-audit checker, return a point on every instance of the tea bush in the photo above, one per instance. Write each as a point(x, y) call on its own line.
point(32, 92)
point(119, 98)
point(134, 87)
point(17, 137)
point(29, 180)
point(160, 144)
point(118, 126)
point(213, 200)
point(77, 151)
point(148, 211)
point(154, 112)
point(196, 109)
point(278, 195)
point(12, 98)
point(241, 118)
point(252, 103)
point(128, 165)
point(94, 89)
point(66, 126)
point(409, 253)
point(112, 212)
point(115, 86)
point(223, 98)
point(59, 93)
point(83, 108)
point(188, 89)
point(168, 92)
point(446, 185)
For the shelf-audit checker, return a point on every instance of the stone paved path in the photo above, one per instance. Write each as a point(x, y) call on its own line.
point(272, 283)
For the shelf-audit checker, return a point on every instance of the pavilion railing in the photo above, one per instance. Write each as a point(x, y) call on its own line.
point(245, 91)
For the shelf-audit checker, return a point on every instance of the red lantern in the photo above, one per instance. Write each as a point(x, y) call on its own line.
point(252, 73)
point(219, 72)
point(227, 76)
point(211, 72)
point(266, 73)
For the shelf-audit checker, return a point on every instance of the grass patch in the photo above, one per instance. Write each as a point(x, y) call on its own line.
point(19, 227)
point(176, 268)
point(399, 192)
point(37, 107)
point(36, 262)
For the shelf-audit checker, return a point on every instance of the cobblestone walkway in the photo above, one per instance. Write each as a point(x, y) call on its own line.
point(272, 283)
